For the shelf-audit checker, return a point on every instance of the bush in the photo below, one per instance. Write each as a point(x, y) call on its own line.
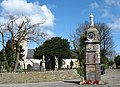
point(119, 67)
point(80, 70)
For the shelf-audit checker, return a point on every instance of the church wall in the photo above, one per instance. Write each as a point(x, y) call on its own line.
point(66, 63)
point(32, 62)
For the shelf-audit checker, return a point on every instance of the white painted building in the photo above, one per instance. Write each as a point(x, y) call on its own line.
point(35, 63)
point(28, 57)
point(66, 63)
point(25, 47)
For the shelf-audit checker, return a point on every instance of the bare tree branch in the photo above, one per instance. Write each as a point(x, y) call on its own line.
point(18, 30)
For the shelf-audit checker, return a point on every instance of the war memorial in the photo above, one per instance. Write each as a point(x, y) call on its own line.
point(92, 52)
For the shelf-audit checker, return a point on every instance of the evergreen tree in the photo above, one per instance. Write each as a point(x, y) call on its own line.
point(54, 47)
point(117, 61)
point(10, 54)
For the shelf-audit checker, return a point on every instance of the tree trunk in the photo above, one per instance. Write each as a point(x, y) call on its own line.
point(17, 57)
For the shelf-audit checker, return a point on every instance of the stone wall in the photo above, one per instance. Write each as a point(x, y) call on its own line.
point(33, 77)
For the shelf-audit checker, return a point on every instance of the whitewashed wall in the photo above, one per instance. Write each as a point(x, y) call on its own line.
point(29, 62)
point(66, 62)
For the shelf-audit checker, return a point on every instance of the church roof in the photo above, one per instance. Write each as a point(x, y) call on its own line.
point(74, 55)
point(30, 54)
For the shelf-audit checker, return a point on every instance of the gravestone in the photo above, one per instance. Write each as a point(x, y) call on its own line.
point(92, 52)
point(36, 66)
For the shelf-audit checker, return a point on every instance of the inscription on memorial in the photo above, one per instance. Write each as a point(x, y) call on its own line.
point(91, 58)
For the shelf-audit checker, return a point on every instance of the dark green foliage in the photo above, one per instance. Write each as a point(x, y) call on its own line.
point(110, 63)
point(80, 70)
point(1, 56)
point(54, 47)
point(82, 48)
point(10, 54)
point(104, 60)
point(103, 53)
point(117, 61)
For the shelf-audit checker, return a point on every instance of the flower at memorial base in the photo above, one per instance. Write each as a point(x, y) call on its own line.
point(89, 82)
point(96, 82)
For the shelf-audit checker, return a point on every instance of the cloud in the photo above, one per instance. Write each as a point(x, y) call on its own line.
point(33, 10)
point(113, 3)
point(109, 9)
point(105, 13)
point(115, 23)
point(115, 20)
point(94, 5)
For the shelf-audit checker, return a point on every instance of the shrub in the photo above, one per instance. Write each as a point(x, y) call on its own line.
point(80, 70)
point(119, 67)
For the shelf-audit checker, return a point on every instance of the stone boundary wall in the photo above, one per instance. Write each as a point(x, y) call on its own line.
point(34, 77)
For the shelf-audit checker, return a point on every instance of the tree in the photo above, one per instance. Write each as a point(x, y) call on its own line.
point(104, 60)
point(106, 42)
point(110, 63)
point(18, 30)
point(54, 47)
point(117, 61)
point(80, 49)
point(10, 55)
point(3, 54)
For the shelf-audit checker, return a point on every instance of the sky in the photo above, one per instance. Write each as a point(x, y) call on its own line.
point(64, 16)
